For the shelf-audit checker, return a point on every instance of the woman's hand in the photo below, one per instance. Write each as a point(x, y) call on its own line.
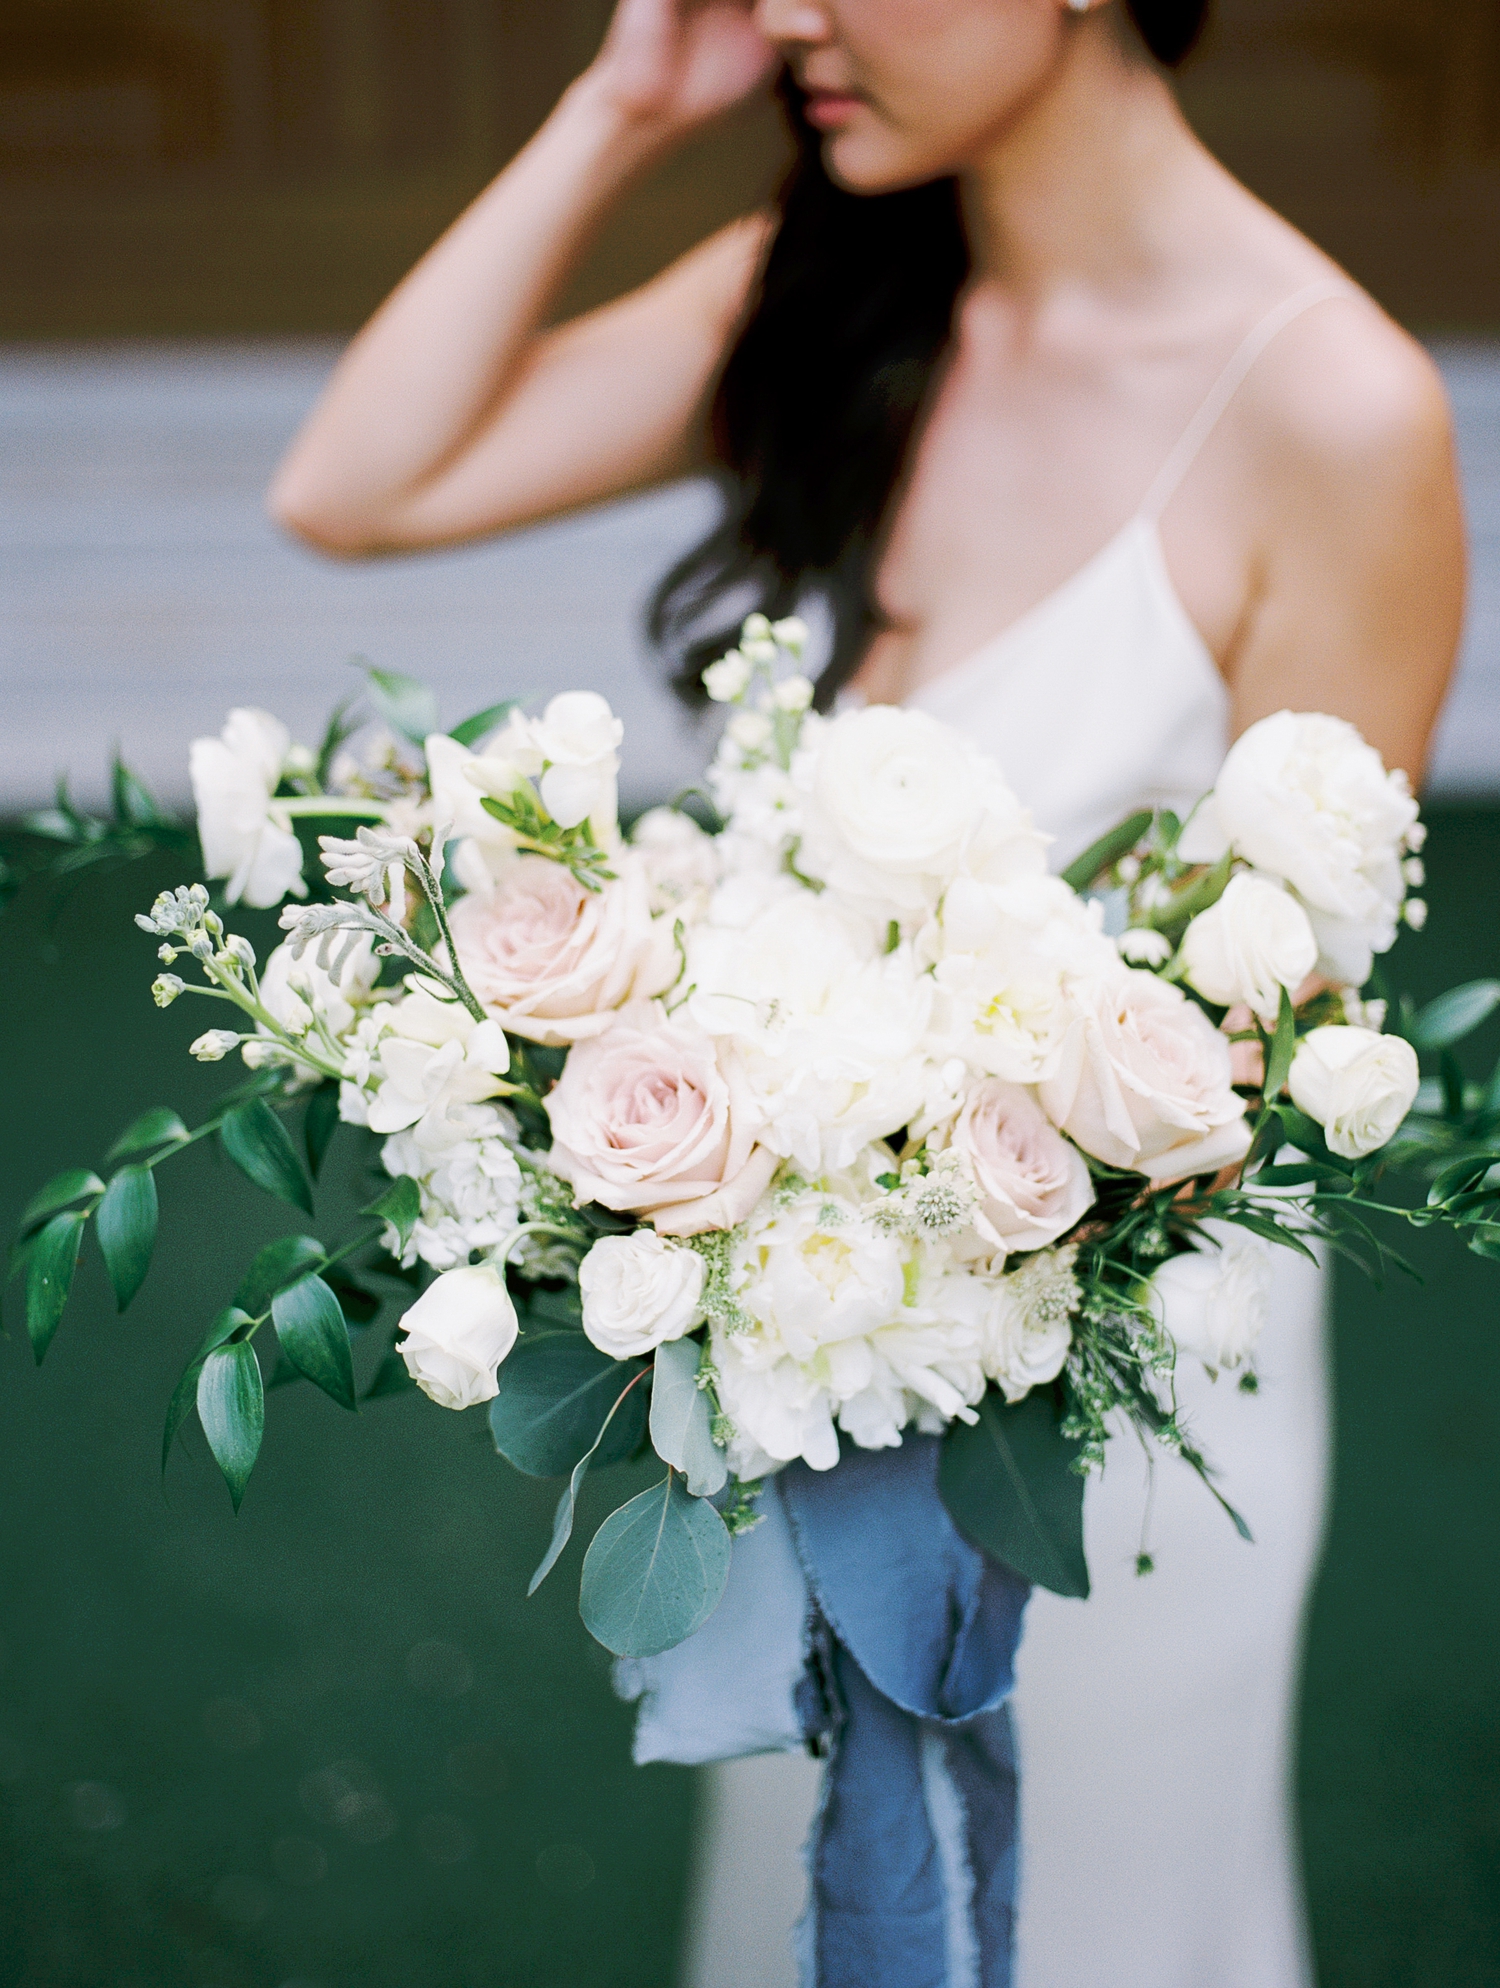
point(678, 64)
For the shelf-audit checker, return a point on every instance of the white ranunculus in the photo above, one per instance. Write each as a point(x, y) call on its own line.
point(1145, 1082)
point(1213, 1298)
point(234, 778)
point(431, 1061)
point(457, 1333)
point(1247, 947)
point(638, 1291)
point(895, 804)
point(575, 748)
point(1358, 1085)
point(1301, 796)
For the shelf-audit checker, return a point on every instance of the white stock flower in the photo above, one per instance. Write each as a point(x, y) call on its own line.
point(895, 804)
point(639, 1290)
point(793, 693)
point(470, 1190)
point(1358, 1085)
point(457, 1333)
point(1303, 797)
point(214, 1045)
point(1213, 1298)
point(234, 778)
point(1256, 940)
point(372, 863)
point(431, 1060)
point(574, 748)
point(728, 678)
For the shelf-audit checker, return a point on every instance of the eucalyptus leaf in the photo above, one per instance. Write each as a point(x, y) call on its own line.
point(1454, 1015)
point(280, 1263)
point(400, 1205)
point(319, 1123)
point(654, 1571)
point(49, 1277)
point(681, 1425)
point(1009, 1485)
point(260, 1146)
point(407, 705)
point(232, 1409)
point(562, 1518)
point(229, 1321)
point(160, 1126)
point(310, 1327)
point(59, 1191)
point(472, 730)
point(126, 1227)
point(556, 1391)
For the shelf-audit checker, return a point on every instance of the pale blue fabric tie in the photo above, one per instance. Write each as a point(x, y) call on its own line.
point(859, 1619)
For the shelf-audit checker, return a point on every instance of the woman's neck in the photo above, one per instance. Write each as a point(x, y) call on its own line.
point(1094, 185)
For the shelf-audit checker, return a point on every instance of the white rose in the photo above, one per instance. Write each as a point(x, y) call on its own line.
point(1027, 1323)
point(1144, 1081)
point(234, 778)
point(1033, 1185)
point(1213, 1298)
point(1358, 1085)
point(1301, 796)
point(638, 1291)
point(894, 802)
point(1247, 947)
point(457, 1333)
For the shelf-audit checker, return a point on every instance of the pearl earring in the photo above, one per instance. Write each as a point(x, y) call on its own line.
point(1081, 6)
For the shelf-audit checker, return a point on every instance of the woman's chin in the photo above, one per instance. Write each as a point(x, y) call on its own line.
point(869, 162)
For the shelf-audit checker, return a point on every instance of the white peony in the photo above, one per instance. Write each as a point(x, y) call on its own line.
point(234, 778)
point(1256, 940)
point(1213, 1298)
point(639, 1290)
point(895, 804)
point(470, 1190)
point(457, 1333)
point(1301, 796)
point(1358, 1085)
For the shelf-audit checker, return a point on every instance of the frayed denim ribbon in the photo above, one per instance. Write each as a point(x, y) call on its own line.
point(904, 1638)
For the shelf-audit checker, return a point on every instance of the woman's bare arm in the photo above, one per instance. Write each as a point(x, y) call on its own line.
point(456, 411)
point(1360, 607)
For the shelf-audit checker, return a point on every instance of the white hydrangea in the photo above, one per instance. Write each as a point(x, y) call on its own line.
point(471, 1190)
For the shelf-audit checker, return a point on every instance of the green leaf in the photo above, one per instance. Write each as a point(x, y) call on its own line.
point(232, 1409)
point(681, 1426)
point(1106, 852)
point(562, 1518)
point(280, 1263)
point(1009, 1484)
point(391, 1377)
point(228, 1322)
point(1451, 1072)
point(59, 1191)
point(1460, 1176)
point(359, 1306)
point(1199, 896)
point(126, 1225)
point(1270, 1136)
point(405, 704)
point(49, 1277)
point(1283, 1049)
point(157, 1127)
point(400, 1205)
point(654, 1571)
point(319, 1124)
point(1486, 1242)
point(1299, 1173)
point(556, 1390)
point(472, 730)
point(1307, 1136)
point(1264, 1224)
point(1454, 1015)
point(133, 804)
point(260, 1146)
point(310, 1326)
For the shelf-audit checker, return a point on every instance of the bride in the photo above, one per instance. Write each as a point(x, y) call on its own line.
point(1088, 453)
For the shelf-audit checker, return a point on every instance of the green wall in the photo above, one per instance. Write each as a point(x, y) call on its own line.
point(175, 1684)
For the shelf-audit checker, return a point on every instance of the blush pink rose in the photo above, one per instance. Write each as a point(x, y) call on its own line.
point(656, 1117)
point(552, 961)
point(1144, 1081)
point(1033, 1185)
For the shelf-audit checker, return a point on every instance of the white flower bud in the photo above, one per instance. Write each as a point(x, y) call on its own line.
point(166, 954)
point(755, 627)
point(300, 761)
point(750, 730)
point(793, 693)
point(790, 633)
point(1414, 911)
point(1415, 871)
point(242, 950)
point(201, 946)
point(728, 678)
point(457, 1333)
point(1416, 835)
point(762, 651)
point(1254, 942)
point(215, 1046)
point(1144, 947)
point(1358, 1085)
point(165, 989)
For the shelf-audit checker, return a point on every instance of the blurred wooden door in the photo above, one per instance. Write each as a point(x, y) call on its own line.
point(247, 166)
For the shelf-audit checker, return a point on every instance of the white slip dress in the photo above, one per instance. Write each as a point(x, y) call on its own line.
point(1156, 1721)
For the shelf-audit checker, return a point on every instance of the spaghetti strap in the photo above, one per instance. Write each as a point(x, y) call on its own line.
point(1228, 384)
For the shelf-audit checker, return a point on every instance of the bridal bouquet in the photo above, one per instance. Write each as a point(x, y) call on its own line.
point(825, 1116)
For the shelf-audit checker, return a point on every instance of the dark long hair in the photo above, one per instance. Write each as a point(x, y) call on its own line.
point(816, 405)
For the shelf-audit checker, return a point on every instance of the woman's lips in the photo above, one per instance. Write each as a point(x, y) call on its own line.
point(829, 109)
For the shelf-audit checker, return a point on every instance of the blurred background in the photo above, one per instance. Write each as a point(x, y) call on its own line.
point(329, 1745)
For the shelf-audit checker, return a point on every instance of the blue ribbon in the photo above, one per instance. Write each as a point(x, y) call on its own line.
point(904, 1637)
